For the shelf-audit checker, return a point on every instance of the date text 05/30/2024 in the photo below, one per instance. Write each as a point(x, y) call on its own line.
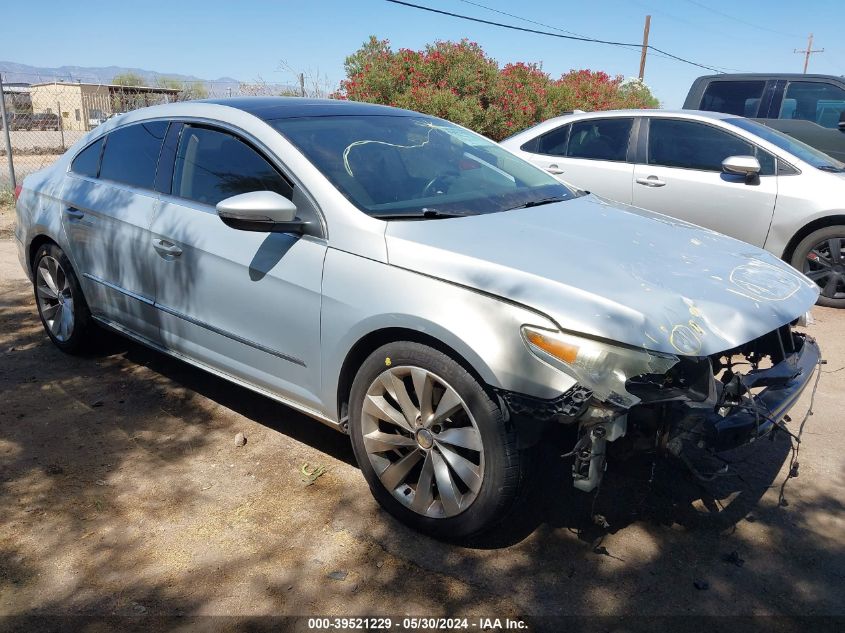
point(414, 624)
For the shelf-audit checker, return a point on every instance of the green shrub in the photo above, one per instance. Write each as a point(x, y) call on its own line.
point(459, 82)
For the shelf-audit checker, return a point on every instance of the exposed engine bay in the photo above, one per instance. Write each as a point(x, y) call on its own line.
point(702, 405)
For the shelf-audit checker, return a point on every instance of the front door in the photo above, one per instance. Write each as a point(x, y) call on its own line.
point(683, 178)
point(245, 303)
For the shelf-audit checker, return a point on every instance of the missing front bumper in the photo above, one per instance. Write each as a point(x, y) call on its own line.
point(751, 414)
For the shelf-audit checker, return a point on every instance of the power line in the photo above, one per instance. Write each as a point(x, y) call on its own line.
point(578, 38)
point(740, 20)
point(548, 26)
point(511, 15)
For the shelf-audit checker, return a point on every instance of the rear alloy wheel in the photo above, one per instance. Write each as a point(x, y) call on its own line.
point(821, 256)
point(431, 443)
point(61, 306)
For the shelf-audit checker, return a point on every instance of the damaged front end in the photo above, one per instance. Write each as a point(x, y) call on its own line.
point(683, 406)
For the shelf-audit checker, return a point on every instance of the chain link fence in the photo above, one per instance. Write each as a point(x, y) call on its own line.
point(43, 116)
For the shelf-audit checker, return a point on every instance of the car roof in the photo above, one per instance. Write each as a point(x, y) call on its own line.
point(744, 76)
point(273, 108)
point(603, 114)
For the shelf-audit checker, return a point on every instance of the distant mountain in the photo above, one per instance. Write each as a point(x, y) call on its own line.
point(23, 73)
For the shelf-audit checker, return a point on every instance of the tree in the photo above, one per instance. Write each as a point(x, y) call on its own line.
point(128, 79)
point(459, 82)
point(187, 89)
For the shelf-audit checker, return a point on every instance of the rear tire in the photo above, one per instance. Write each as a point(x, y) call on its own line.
point(821, 256)
point(432, 443)
point(61, 305)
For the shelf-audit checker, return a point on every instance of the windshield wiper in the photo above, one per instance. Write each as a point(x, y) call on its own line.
point(424, 214)
point(537, 203)
point(831, 168)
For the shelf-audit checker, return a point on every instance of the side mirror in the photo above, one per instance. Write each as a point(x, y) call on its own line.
point(747, 166)
point(842, 121)
point(263, 211)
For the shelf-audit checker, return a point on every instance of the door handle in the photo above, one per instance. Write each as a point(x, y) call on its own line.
point(74, 213)
point(651, 181)
point(554, 169)
point(167, 248)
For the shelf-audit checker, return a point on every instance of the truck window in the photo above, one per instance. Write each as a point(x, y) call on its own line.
point(733, 97)
point(814, 101)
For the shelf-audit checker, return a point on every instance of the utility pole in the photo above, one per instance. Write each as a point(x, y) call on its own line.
point(645, 46)
point(302, 84)
point(808, 52)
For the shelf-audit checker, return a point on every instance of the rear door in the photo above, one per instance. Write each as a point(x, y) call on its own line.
point(593, 154)
point(108, 204)
point(811, 110)
point(246, 303)
point(681, 176)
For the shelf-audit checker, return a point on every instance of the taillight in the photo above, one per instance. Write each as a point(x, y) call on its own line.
point(17, 192)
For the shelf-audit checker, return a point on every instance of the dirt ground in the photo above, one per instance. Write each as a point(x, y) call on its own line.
point(7, 218)
point(123, 493)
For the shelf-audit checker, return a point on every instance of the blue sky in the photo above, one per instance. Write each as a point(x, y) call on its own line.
point(247, 39)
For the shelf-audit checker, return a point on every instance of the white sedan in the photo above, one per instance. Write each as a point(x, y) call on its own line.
point(720, 171)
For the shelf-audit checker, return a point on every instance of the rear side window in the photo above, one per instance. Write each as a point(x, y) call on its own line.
point(554, 143)
point(212, 165)
point(733, 97)
point(691, 145)
point(815, 101)
point(600, 139)
point(87, 162)
point(131, 154)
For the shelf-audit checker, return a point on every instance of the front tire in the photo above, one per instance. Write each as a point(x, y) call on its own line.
point(432, 443)
point(821, 256)
point(61, 305)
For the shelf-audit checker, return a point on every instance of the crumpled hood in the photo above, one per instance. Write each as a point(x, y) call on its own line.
point(612, 271)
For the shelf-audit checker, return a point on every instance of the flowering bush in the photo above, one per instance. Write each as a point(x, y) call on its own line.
point(459, 82)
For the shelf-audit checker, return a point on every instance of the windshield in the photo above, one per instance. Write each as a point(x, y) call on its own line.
point(808, 154)
point(398, 166)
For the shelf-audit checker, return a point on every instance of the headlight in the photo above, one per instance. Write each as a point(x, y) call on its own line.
point(602, 367)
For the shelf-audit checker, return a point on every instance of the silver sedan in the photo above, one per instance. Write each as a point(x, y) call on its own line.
point(730, 174)
point(416, 286)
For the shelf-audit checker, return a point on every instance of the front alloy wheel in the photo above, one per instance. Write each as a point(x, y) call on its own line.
point(422, 442)
point(432, 442)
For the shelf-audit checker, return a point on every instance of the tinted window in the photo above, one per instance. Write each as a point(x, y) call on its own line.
point(691, 145)
point(131, 154)
point(87, 162)
point(212, 165)
point(733, 97)
point(554, 143)
point(600, 139)
point(814, 101)
point(808, 154)
point(412, 165)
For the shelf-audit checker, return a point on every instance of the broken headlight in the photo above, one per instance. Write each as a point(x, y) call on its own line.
point(602, 367)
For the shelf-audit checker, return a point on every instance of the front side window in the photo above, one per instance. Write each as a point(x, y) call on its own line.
point(600, 139)
point(733, 97)
point(814, 101)
point(808, 154)
point(417, 166)
point(131, 154)
point(554, 143)
point(693, 145)
point(87, 162)
point(212, 165)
